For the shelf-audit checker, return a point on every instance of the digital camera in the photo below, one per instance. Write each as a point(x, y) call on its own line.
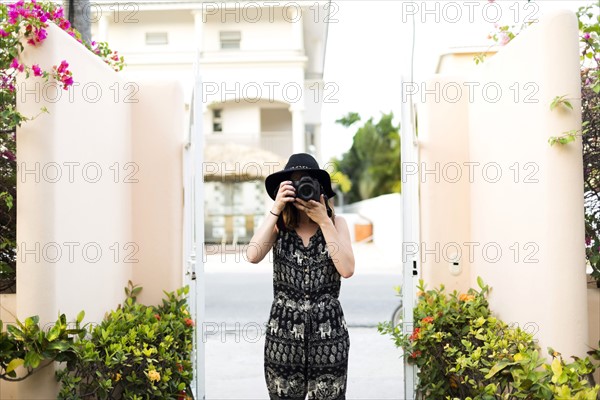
point(308, 188)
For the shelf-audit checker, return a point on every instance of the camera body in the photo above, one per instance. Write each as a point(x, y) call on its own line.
point(307, 188)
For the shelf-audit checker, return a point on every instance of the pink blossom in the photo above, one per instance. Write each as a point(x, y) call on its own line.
point(13, 15)
point(41, 35)
point(63, 67)
point(67, 81)
point(9, 155)
point(587, 36)
point(15, 64)
point(59, 13)
point(3, 33)
point(63, 74)
point(504, 38)
point(64, 24)
point(37, 71)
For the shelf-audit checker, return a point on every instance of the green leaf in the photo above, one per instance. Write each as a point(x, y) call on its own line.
point(556, 367)
point(32, 321)
point(14, 331)
point(59, 345)
point(17, 362)
point(498, 367)
point(32, 359)
point(80, 316)
point(53, 333)
point(480, 282)
point(558, 100)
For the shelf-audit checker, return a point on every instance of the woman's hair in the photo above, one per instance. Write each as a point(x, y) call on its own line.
point(291, 215)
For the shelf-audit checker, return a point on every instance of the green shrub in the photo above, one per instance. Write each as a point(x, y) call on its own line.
point(137, 352)
point(463, 352)
point(29, 346)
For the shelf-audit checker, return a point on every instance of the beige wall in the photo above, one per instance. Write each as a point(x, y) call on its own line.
point(89, 213)
point(539, 211)
point(444, 199)
point(157, 207)
point(131, 212)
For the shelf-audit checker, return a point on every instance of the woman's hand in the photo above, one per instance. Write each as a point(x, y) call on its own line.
point(317, 211)
point(285, 194)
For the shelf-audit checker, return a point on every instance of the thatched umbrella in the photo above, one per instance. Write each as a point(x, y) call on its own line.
point(230, 162)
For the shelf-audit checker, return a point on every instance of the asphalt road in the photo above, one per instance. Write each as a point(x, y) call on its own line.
point(246, 298)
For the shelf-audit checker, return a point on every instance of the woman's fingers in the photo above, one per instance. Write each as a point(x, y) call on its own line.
point(308, 204)
point(286, 190)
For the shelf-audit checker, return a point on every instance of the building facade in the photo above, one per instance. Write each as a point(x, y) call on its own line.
point(261, 65)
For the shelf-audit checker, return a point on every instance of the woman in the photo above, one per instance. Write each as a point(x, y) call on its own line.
point(307, 341)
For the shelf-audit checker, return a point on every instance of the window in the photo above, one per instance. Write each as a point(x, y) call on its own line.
point(230, 39)
point(217, 123)
point(153, 38)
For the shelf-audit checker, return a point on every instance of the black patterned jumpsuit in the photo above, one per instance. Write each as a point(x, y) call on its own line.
point(307, 341)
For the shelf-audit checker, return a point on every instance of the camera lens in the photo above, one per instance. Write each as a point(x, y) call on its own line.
point(305, 191)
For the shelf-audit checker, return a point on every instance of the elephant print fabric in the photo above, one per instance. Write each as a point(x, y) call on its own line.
point(307, 341)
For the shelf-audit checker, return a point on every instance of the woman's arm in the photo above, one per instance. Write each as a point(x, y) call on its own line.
point(339, 245)
point(262, 240)
point(337, 236)
point(265, 235)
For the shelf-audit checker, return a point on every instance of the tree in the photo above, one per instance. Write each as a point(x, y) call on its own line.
point(78, 13)
point(373, 162)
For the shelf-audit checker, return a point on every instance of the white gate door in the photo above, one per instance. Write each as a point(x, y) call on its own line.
point(193, 251)
point(410, 228)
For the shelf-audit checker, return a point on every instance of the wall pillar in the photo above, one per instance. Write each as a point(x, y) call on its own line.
point(298, 137)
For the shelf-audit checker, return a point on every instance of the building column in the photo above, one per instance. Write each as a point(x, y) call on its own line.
point(298, 136)
point(297, 28)
point(198, 28)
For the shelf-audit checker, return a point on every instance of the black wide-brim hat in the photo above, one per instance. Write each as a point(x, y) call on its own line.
point(299, 162)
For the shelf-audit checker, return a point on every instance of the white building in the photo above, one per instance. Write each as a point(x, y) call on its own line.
point(261, 65)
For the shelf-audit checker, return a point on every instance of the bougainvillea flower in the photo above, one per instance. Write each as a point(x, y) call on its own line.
point(37, 71)
point(16, 65)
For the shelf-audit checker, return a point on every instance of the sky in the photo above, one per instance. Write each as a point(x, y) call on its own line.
point(369, 49)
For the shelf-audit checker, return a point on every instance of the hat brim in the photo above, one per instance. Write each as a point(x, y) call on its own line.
point(273, 181)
